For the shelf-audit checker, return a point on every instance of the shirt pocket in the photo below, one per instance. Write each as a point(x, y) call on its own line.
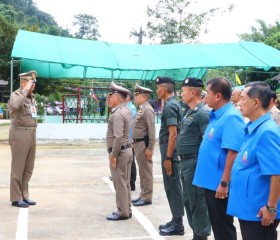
point(26, 108)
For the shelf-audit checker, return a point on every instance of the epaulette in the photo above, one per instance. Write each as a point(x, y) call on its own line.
point(17, 92)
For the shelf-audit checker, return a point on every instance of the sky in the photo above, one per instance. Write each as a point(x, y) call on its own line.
point(117, 18)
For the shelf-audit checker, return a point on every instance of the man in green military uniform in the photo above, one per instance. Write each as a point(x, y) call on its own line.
point(191, 133)
point(143, 135)
point(22, 139)
point(170, 122)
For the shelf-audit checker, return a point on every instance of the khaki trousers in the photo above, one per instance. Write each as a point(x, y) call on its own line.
point(121, 180)
point(23, 148)
point(145, 171)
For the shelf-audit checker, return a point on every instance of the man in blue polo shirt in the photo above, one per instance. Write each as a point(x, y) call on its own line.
point(221, 142)
point(255, 181)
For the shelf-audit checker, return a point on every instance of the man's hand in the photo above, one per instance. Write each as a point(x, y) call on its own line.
point(221, 192)
point(168, 166)
point(267, 217)
point(28, 85)
point(149, 154)
point(113, 162)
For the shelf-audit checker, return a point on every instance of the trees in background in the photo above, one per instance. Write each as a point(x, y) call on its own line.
point(177, 21)
point(270, 35)
point(87, 26)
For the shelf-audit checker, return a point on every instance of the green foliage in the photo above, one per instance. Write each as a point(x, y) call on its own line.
point(268, 34)
point(174, 21)
point(88, 26)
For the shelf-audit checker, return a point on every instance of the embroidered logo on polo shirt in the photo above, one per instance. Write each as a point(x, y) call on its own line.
point(244, 157)
point(210, 135)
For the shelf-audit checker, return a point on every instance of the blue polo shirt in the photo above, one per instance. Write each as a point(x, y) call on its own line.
point(258, 159)
point(225, 131)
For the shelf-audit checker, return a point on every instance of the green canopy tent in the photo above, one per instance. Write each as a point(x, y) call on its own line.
point(60, 57)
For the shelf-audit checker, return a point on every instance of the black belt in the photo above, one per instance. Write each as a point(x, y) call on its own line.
point(122, 147)
point(187, 156)
point(139, 139)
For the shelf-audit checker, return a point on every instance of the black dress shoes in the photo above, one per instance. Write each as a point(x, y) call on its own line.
point(21, 204)
point(141, 202)
point(116, 217)
point(135, 200)
point(29, 202)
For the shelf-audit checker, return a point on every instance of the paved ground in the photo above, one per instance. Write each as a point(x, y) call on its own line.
point(71, 185)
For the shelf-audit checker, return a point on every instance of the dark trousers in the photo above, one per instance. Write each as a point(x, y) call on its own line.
point(222, 224)
point(133, 173)
point(194, 200)
point(256, 231)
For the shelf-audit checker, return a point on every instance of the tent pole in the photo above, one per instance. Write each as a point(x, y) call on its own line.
point(84, 75)
point(12, 75)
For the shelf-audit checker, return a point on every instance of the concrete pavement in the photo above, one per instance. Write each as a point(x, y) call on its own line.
point(74, 194)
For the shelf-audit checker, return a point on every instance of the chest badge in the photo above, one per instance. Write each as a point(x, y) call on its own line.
point(245, 157)
point(211, 133)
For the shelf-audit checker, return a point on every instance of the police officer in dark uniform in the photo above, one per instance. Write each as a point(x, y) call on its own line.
point(119, 149)
point(169, 129)
point(144, 141)
point(191, 133)
point(22, 139)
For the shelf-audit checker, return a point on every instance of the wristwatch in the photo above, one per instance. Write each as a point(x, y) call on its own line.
point(271, 209)
point(168, 158)
point(224, 184)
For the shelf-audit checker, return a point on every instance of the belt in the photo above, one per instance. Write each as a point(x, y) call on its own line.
point(187, 156)
point(122, 147)
point(139, 139)
point(24, 128)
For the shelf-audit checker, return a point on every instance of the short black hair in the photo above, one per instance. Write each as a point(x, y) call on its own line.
point(273, 95)
point(222, 86)
point(261, 91)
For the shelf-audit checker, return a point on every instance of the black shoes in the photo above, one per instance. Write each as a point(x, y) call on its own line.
point(117, 217)
point(166, 225)
point(135, 200)
point(20, 204)
point(141, 202)
point(174, 228)
point(29, 202)
point(195, 237)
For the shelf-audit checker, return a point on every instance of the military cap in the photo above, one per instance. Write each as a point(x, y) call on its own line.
point(114, 88)
point(139, 89)
point(192, 82)
point(160, 80)
point(31, 75)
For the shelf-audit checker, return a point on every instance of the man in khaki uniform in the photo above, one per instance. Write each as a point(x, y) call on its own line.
point(143, 135)
point(119, 149)
point(22, 139)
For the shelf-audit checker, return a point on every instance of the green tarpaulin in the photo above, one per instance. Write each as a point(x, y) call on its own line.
point(60, 57)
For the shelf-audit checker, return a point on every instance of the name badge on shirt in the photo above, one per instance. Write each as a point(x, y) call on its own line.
point(33, 111)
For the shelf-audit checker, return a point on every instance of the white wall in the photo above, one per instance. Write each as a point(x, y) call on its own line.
point(60, 131)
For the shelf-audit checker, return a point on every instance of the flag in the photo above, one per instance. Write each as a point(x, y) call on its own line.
point(92, 94)
point(237, 79)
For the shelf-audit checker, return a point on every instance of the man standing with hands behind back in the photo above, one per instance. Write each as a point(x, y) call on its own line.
point(22, 139)
point(170, 122)
point(144, 141)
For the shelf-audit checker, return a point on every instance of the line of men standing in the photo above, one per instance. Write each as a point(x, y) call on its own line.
point(198, 154)
point(213, 166)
